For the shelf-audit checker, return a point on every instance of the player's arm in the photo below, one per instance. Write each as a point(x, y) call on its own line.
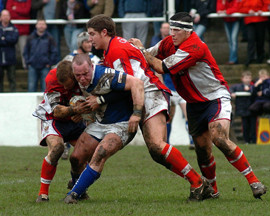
point(136, 86)
point(154, 62)
point(96, 101)
point(62, 111)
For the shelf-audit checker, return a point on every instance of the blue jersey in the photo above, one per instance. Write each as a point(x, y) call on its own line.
point(168, 81)
point(105, 80)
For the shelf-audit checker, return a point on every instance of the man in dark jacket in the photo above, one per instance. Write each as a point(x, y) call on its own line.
point(8, 39)
point(199, 11)
point(40, 53)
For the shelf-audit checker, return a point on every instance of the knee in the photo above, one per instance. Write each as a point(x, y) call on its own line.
point(56, 152)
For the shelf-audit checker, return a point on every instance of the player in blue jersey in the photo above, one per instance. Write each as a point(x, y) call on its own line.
point(116, 123)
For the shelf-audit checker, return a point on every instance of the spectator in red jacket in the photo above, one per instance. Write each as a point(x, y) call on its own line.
point(20, 9)
point(256, 26)
point(232, 26)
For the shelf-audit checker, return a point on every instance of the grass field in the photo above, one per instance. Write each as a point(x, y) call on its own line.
point(131, 184)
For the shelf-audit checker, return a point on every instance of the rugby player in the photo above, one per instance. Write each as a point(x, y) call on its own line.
point(122, 56)
point(198, 80)
point(59, 122)
point(116, 123)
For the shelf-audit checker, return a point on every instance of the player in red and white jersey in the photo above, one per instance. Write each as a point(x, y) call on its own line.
point(192, 67)
point(199, 81)
point(122, 56)
point(59, 122)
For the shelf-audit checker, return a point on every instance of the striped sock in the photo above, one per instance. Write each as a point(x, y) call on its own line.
point(240, 162)
point(87, 178)
point(208, 169)
point(47, 174)
point(180, 166)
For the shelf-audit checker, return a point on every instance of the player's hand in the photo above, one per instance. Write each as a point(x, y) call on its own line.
point(81, 107)
point(259, 93)
point(133, 123)
point(136, 42)
point(76, 118)
point(92, 102)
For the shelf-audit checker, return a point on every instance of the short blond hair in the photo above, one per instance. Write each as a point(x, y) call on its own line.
point(246, 73)
point(263, 72)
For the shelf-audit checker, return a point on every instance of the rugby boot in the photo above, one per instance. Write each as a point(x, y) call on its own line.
point(84, 196)
point(42, 198)
point(71, 198)
point(258, 189)
point(202, 192)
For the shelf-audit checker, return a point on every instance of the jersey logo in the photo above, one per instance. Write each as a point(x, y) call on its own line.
point(122, 40)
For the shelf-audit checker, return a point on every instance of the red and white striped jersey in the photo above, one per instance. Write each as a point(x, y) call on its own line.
point(123, 56)
point(193, 69)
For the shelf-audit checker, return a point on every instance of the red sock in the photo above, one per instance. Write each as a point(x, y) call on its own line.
point(240, 162)
point(47, 174)
point(209, 171)
point(180, 166)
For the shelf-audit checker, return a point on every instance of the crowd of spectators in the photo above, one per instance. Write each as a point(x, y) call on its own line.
point(257, 27)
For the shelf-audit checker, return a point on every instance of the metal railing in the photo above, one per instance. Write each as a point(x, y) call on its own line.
point(124, 20)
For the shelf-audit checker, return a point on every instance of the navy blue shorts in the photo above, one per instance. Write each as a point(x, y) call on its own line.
point(201, 114)
point(68, 130)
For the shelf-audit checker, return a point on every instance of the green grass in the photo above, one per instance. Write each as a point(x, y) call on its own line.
point(131, 184)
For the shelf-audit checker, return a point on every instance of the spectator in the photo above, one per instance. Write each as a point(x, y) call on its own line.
point(182, 5)
point(40, 54)
point(8, 38)
point(256, 26)
point(100, 7)
point(84, 46)
point(156, 10)
point(199, 11)
point(2, 5)
point(134, 9)
point(241, 92)
point(261, 92)
point(20, 10)
point(37, 8)
point(163, 32)
point(232, 26)
point(49, 10)
point(73, 9)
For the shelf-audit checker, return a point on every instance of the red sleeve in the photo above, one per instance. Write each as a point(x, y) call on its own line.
point(220, 5)
point(233, 7)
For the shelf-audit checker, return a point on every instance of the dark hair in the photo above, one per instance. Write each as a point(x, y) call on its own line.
point(81, 58)
point(64, 71)
point(182, 16)
point(100, 22)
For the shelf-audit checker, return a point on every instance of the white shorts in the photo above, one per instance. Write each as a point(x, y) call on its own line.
point(101, 130)
point(154, 103)
point(176, 99)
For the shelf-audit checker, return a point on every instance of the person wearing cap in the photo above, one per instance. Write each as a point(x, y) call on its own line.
point(84, 46)
point(198, 80)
